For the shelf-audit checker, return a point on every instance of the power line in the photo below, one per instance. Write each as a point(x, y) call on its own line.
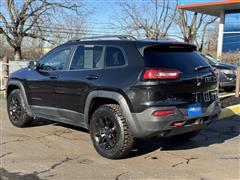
point(69, 30)
point(57, 27)
point(91, 22)
point(64, 30)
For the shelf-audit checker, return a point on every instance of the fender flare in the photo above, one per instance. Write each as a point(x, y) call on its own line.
point(114, 96)
point(22, 89)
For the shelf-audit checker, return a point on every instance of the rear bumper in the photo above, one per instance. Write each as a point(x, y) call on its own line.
point(148, 125)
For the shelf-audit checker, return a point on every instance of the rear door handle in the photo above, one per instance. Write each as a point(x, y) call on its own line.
point(92, 77)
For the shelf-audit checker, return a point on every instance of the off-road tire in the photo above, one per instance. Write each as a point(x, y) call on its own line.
point(124, 136)
point(22, 120)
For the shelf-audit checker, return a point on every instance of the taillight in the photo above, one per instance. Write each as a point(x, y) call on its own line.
point(160, 74)
point(162, 113)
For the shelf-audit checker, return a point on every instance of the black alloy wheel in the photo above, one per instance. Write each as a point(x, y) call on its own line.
point(105, 133)
point(16, 109)
point(110, 133)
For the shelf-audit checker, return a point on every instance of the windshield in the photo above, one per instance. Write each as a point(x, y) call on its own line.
point(211, 60)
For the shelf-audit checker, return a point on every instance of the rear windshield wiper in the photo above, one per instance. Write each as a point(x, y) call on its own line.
point(201, 67)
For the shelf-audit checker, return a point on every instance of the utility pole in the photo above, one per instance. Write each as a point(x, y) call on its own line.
point(238, 83)
point(1, 30)
point(156, 19)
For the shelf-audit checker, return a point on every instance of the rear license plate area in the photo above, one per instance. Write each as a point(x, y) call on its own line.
point(204, 96)
point(194, 109)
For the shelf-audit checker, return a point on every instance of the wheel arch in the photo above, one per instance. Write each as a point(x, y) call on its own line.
point(10, 88)
point(111, 97)
point(97, 102)
point(14, 84)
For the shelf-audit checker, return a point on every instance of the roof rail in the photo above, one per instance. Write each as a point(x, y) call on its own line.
point(120, 37)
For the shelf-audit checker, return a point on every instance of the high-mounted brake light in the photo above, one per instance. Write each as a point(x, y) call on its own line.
point(161, 74)
point(162, 113)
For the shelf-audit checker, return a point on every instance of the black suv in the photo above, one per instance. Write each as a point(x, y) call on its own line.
point(118, 89)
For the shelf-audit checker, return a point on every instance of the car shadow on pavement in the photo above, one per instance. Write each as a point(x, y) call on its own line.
point(40, 122)
point(45, 122)
point(216, 133)
point(72, 127)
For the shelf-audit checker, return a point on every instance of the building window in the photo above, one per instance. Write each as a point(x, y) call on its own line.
point(231, 36)
point(231, 42)
point(232, 21)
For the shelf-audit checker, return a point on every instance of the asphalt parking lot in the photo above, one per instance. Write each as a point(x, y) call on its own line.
point(49, 150)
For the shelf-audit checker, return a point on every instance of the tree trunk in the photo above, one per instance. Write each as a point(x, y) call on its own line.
point(17, 53)
point(201, 48)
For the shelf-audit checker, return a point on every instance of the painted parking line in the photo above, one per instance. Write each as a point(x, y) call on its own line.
point(224, 95)
point(230, 111)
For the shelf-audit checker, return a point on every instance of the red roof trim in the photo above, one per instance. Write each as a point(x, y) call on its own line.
point(208, 4)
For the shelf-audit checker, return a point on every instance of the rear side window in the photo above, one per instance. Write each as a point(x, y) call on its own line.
point(114, 57)
point(182, 59)
point(87, 58)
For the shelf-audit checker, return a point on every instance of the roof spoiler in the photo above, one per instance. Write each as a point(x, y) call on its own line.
point(170, 46)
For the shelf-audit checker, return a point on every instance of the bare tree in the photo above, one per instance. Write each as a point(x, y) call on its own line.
point(1, 46)
point(26, 19)
point(211, 39)
point(152, 18)
point(201, 40)
point(72, 28)
point(32, 48)
point(191, 25)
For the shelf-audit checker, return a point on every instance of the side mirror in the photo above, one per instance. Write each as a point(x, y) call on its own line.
point(32, 65)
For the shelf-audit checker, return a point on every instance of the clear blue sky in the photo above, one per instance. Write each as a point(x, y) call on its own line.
point(105, 12)
point(104, 9)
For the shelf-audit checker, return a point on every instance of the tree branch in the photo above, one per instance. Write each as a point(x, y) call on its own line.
point(36, 36)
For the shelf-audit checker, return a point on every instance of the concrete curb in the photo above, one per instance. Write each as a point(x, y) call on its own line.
point(230, 111)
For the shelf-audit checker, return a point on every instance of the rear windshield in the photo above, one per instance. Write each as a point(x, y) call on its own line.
point(182, 59)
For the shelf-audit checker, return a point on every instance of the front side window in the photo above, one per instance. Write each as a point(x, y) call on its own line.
point(87, 58)
point(114, 57)
point(55, 61)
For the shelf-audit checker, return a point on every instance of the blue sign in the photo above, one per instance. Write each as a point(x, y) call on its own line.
point(194, 110)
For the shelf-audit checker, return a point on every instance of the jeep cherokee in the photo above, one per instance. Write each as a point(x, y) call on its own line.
point(118, 88)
